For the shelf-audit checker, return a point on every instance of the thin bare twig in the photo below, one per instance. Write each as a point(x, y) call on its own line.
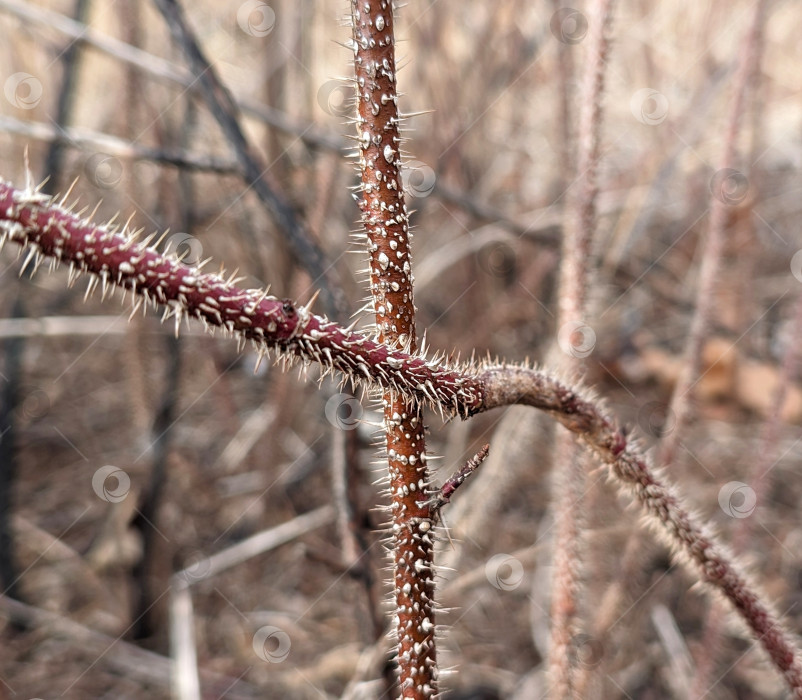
point(256, 544)
point(80, 137)
point(680, 666)
point(186, 681)
point(222, 106)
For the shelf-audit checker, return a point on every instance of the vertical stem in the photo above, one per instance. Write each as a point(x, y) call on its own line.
point(681, 400)
point(10, 403)
point(54, 161)
point(575, 282)
point(384, 216)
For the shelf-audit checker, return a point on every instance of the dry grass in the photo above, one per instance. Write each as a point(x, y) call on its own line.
point(490, 75)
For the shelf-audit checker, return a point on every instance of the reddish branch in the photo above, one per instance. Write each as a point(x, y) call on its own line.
point(115, 259)
point(447, 490)
point(386, 224)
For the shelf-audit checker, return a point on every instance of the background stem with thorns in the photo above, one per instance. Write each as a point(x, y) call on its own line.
point(570, 482)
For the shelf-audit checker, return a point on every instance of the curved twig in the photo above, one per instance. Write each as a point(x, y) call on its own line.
point(44, 228)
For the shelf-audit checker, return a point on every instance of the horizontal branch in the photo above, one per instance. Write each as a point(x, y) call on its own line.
point(90, 139)
point(115, 258)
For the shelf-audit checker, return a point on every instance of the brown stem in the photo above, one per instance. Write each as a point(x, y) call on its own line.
point(43, 228)
point(575, 284)
point(386, 224)
point(720, 203)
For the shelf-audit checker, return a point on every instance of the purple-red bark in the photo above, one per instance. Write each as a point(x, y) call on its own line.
point(43, 228)
point(386, 224)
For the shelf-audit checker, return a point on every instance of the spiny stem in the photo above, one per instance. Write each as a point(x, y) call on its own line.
point(37, 224)
point(47, 230)
point(575, 284)
point(693, 544)
point(713, 249)
point(386, 224)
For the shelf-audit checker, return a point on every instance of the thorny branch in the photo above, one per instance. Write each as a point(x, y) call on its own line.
point(387, 235)
point(447, 490)
point(569, 485)
point(114, 259)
